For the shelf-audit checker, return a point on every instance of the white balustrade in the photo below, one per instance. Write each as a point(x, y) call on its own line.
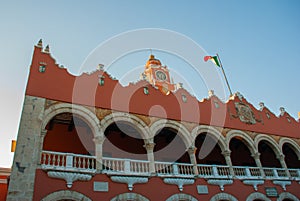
point(185, 169)
point(68, 162)
point(205, 170)
point(254, 171)
point(164, 168)
point(223, 171)
point(83, 163)
point(113, 165)
point(139, 166)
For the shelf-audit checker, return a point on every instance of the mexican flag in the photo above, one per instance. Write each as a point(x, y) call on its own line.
point(214, 59)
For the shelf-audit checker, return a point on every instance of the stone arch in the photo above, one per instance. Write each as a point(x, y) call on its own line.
point(181, 196)
point(294, 145)
point(257, 195)
point(212, 132)
point(130, 196)
point(287, 195)
point(66, 194)
point(88, 116)
point(133, 120)
point(180, 128)
point(223, 196)
point(273, 144)
point(247, 139)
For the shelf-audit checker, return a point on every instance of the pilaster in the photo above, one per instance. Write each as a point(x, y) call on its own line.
point(27, 154)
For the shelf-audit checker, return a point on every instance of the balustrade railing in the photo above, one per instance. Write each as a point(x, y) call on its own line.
point(68, 162)
point(82, 163)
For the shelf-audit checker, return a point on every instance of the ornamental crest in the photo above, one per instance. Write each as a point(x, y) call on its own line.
point(245, 113)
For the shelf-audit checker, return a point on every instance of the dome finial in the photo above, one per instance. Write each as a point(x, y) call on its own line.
point(151, 56)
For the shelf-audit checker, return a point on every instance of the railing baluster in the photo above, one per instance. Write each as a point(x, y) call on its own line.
point(63, 161)
point(58, 160)
point(44, 159)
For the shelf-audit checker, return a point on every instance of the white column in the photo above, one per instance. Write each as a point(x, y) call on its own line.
point(98, 151)
point(256, 157)
point(283, 164)
point(149, 146)
point(226, 155)
point(192, 152)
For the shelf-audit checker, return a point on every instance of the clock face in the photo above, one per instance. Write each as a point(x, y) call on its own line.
point(160, 75)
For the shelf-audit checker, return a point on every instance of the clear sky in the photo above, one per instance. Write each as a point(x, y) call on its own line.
point(258, 42)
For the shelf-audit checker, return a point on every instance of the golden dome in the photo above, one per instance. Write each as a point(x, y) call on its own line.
point(153, 61)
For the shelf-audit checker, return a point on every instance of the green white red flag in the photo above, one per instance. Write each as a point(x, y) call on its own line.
point(214, 59)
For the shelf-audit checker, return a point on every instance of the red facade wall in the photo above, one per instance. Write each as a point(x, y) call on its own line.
point(155, 189)
point(57, 84)
point(3, 188)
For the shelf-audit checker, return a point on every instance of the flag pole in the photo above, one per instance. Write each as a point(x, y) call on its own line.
point(224, 75)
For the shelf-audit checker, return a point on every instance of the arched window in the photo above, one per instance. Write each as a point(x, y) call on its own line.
point(223, 197)
point(267, 155)
point(169, 147)
point(291, 158)
point(66, 195)
point(124, 140)
point(130, 197)
point(214, 156)
point(181, 197)
point(240, 153)
point(69, 133)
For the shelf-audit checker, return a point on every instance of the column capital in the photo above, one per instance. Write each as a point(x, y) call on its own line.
point(44, 132)
point(99, 139)
point(226, 153)
point(149, 146)
point(280, 156)
point(256, 155)
point(192, 149)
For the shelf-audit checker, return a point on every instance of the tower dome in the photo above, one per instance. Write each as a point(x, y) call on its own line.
point(152, 61)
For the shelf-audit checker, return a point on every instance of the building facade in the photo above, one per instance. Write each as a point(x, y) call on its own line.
point(88, 137)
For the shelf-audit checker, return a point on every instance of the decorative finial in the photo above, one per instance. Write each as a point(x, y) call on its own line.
point(282, 111)
point(179, 85)
point(239, 95)
point(261, 106)
point(100, 66)
point(47, 49)
point(211, 93)
point(151, 56)
point(40, 43)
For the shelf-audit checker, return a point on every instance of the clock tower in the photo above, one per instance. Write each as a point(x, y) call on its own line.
point(158, 75)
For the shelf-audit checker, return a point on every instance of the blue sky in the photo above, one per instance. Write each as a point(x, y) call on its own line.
point(258, 42)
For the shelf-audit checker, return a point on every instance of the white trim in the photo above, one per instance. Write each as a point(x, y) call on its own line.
point(3, 181)
point(5, 171)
